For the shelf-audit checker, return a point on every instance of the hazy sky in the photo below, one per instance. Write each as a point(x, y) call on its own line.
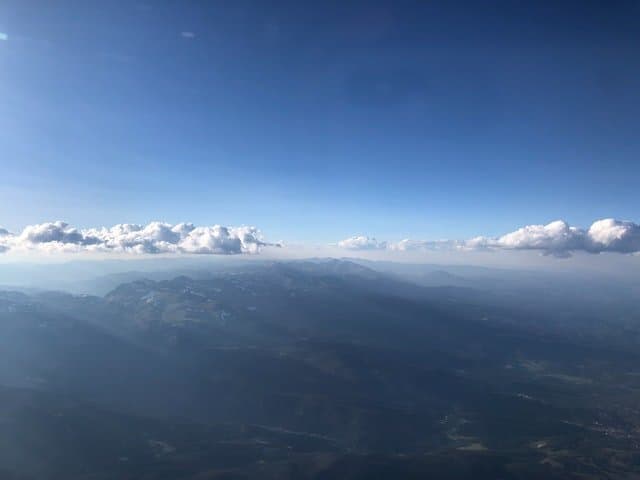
point(315, 121)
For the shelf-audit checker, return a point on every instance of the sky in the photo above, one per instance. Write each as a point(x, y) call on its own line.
point(317, 122)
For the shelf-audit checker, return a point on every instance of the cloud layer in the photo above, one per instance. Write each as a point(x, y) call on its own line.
point(556, 238)
point(156, 237)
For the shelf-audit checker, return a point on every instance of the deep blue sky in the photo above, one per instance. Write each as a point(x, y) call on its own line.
point(319, 120)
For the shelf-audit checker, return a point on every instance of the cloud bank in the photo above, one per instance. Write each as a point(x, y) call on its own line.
point(557, 238)
point(154, 238)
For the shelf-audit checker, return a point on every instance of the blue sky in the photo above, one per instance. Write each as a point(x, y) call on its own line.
point(316, 122)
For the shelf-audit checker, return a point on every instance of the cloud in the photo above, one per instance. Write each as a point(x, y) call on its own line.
point(188, 35)
point(611, 235)
point(4, 37)
point(54, 232)
point(3, 234)
point(557, 239)
point(407, 245)
point(362, 243)
point(560, 239)
point(154, 238)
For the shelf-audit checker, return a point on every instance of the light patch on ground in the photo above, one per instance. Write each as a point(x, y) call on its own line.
point(474, 447)
point(532, 366)
point(551, 462)
point(161, 448)
point(569, 378)
point(150, 298)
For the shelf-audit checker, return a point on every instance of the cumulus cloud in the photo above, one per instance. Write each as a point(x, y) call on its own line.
point(156, 237)
point(54, 232)
point(614, 235)
point(557, 238)
point(361, 242)
point(560, 239)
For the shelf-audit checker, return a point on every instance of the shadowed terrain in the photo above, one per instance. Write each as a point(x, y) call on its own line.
point(320, 369)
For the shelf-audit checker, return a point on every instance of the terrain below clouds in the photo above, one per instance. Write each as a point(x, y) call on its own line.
point(319, 369)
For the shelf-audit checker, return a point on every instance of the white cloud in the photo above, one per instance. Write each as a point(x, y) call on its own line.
point(614, 235)
point(423, 245)
point(557, 238)
point(4, 37)
point(478, 243)
point(361, 242)
point(188, 35)
point(54, 232)
point(156, 237)
point(560, 239)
